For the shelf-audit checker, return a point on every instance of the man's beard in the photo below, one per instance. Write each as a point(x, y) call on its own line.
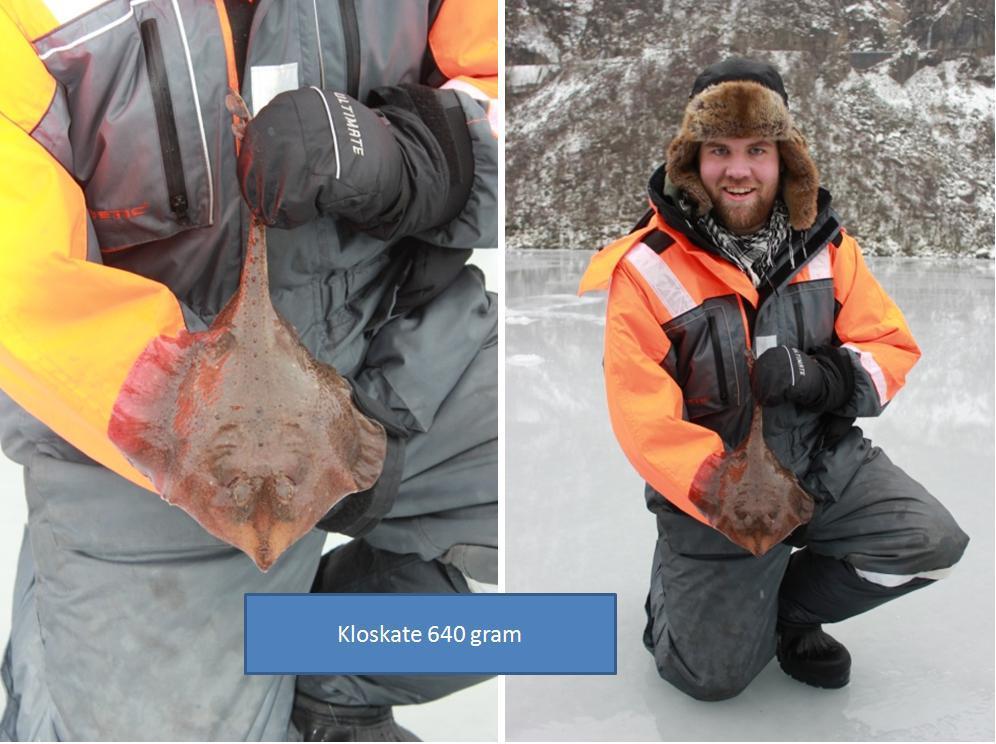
point(739, 218)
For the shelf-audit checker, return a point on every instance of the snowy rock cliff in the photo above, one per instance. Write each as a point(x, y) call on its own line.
point(894, 96)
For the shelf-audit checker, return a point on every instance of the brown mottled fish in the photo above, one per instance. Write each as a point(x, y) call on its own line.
point(749, 496)
point(240, 426)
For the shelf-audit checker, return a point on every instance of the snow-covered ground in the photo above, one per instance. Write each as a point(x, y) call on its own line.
point(469, 715)
point(576, 522)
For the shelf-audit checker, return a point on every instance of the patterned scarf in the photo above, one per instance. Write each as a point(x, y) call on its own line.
point(753, 253)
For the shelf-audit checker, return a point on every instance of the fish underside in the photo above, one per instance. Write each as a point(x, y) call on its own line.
point(240, 426)
point(749, 496)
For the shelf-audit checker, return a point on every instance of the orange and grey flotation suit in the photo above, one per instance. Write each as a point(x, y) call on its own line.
point(681, 319)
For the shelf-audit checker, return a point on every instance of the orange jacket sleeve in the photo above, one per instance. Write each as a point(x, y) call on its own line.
point(645, 403)
point(873, 329)
point(464, 44)
point(70, 329)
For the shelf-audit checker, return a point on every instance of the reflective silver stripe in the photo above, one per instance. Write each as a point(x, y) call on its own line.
point(791, 364)
point(661, 279)
point(63, 15)
point(335, 140)
point(819, 266)
point(874, 371)
point(763, 343)
point(318, 36)
point(197, 108)
point(898, 580)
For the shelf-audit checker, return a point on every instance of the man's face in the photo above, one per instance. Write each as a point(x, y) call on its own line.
point(741, 177)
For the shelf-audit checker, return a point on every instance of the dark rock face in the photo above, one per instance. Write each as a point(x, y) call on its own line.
point(894, 96)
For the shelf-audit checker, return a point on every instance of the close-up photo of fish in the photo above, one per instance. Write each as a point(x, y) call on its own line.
point(239, 236)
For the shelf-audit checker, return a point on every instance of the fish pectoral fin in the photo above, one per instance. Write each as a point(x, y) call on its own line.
point(140, 420)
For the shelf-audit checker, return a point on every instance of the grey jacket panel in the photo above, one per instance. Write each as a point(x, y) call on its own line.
point(409, 358)
point(31, 713)
point(798, 312)
point(708, 361)
point(136, 602)
point(100, 64)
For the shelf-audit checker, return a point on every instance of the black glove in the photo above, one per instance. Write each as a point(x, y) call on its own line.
point(403, 165)
point(360, 512)
point(821, 381)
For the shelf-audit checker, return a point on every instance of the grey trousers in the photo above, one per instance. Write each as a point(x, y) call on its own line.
point(712, 606)
point(443, 527)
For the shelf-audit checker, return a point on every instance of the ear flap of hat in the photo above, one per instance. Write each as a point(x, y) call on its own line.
point(682, 169)
point(800, 181)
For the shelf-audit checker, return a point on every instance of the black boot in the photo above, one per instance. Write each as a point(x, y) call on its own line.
point(318, 721)
point(809, 655)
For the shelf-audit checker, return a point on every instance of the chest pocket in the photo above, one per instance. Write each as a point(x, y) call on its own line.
point(128, 105)
point(706, 357)
point(801, 315)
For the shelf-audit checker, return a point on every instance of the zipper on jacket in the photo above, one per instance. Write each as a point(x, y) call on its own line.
point(799, 326)
point(717, 350)
point(749, 316)
point(351, 35)
point(169, 141)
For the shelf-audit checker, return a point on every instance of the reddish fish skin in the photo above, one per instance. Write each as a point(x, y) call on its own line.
point(244, 430)
point(749, 496)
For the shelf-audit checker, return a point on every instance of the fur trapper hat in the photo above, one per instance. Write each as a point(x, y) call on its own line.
point(740, 98)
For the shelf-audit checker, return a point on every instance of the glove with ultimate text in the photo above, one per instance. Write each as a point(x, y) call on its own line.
point(401, 165)
point(821, 381)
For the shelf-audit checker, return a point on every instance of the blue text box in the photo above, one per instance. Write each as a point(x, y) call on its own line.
point(430, 634)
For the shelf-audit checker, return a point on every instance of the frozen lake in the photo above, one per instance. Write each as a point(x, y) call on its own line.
point(576, 522)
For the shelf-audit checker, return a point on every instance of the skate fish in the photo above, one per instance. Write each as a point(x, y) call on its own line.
point(749, 496)
point(240, 426)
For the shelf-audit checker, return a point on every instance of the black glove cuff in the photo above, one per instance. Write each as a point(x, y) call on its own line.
point(443, 116)
point(360, 512)
point(838, 373)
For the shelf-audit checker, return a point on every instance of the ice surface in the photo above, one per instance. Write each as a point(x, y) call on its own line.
point(576, 522)
point(523, 360)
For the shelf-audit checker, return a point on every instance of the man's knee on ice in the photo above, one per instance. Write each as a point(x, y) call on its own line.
point(709, 687)
point(705, 679)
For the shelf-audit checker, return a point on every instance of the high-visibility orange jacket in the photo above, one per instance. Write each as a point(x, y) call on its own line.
point(113, 235)
point(680, 320)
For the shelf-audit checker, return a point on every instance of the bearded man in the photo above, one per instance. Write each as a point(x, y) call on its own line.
point(741, 254)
